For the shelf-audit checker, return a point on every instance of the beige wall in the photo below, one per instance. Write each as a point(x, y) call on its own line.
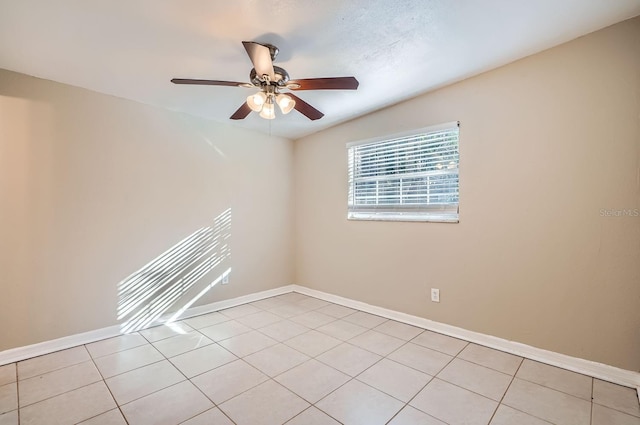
point(546, 143)
point(93, 187)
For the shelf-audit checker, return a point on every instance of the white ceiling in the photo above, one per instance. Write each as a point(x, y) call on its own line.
point(395, 48)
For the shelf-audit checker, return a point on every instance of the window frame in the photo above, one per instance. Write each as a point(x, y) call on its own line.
point(438, 213)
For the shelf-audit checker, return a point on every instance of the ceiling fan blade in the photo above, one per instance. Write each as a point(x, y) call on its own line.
point(336, 83)
point(305, 109)
point(241, 113)
point(261, 58)
point(207, 82)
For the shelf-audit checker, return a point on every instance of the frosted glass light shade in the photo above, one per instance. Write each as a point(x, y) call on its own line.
point(268, 111)
point(286, 103)
point(256, 101)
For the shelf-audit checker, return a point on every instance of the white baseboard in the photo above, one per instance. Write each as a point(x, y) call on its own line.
point(46, 347)
point(597, 370)
point(221, 305)
point(602, 371)
point(21, 353)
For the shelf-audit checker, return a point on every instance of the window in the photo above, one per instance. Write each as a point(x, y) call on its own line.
point(411, 177)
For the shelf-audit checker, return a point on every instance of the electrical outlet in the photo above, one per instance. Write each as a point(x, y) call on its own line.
point(435, 295)
point(225, 278)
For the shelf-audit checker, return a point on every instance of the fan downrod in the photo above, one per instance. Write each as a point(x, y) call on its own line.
point(273, 50)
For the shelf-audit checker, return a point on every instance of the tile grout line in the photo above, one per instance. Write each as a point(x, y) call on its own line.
point(215, 405)
point(521, 411)
point(118, 406)
point(214, 342)
point(406, 342)
point(137, 368)
point(372, 365)
point(485, 366)
point(108, 389)
point(425, 385)
point(477, 393)
point(250, 365)
point(310, 358)
point(299, 413)
point(187, 379)
point(58, 368)
point(17, 393)
point(341, 342)
point(614, 408)
point(513, 377)
point(527, 380)
point(269, 377)
point(328, 394)
point(64, 392)
point(591, 412)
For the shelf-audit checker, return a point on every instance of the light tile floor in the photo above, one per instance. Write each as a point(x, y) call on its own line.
point(298, 360)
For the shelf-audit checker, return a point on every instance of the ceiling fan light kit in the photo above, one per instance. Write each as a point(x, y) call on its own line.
point(269, 80)
point(264, 100)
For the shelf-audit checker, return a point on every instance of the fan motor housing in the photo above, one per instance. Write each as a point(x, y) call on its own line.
point(282, 77)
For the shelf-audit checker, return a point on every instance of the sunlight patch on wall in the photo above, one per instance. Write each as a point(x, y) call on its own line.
point(147, 294)
point(206, 289)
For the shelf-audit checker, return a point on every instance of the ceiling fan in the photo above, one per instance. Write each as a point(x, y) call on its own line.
point(270, 81)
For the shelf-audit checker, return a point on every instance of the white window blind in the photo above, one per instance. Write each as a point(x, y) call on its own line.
point(406, 178)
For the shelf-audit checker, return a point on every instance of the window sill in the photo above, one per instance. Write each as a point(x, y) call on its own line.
point(404, 217)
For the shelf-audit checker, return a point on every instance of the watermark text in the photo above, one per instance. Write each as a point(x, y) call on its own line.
point(632, 212)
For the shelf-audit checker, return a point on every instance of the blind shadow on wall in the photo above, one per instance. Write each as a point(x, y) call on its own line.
point(166, 281)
